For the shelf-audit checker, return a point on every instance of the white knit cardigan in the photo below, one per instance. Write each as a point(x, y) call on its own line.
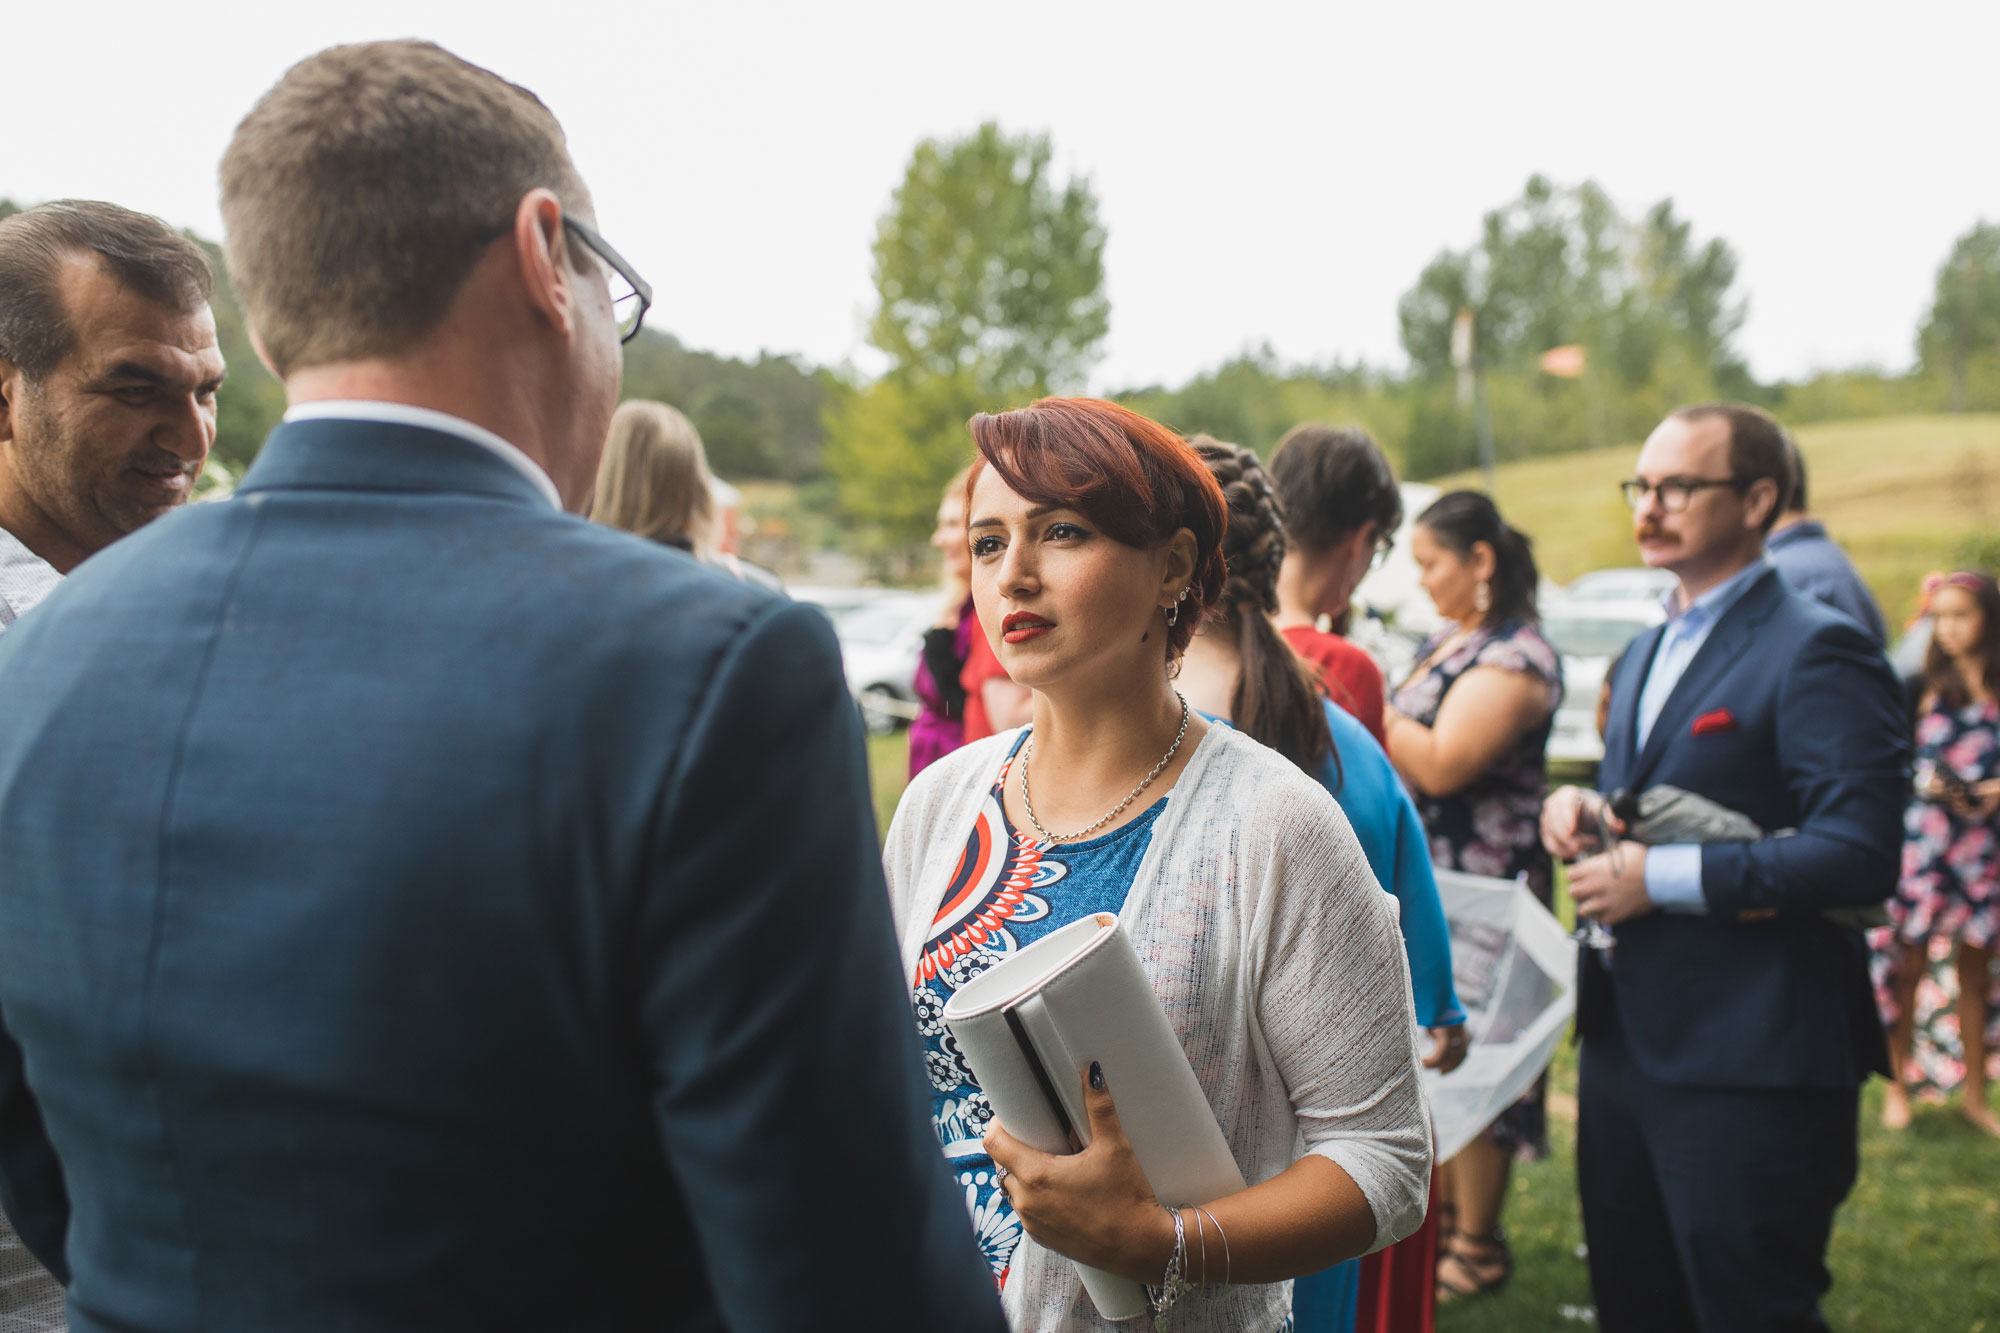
point(1279, 963)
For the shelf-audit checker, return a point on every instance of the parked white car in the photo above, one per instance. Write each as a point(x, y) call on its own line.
point(1589, 634)
point(881, 633)
point(1637, 584)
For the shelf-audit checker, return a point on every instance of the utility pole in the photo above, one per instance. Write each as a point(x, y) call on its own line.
point(1472, 388)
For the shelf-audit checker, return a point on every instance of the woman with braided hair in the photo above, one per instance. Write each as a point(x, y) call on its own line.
point(1096, 537)
point(1239, 670)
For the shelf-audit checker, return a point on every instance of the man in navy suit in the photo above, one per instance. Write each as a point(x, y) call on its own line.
point(424, 909)
point(1727, 1029)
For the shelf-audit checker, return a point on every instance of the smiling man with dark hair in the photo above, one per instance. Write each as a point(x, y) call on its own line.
point(108, 374)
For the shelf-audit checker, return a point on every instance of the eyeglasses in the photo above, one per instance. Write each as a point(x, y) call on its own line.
point(1674, 492)
point(631, 295)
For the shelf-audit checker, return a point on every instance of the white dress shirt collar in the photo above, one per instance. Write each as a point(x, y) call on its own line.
point(25, 578)
point(404, 414)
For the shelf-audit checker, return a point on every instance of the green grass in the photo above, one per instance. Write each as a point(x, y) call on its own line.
point(1904, 495)
point(888, 763)
point(1917, 1246)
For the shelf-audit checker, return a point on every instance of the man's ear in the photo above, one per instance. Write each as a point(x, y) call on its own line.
point(541, 251)
point(10, 393)
point(257, 346)
point(1758, 502)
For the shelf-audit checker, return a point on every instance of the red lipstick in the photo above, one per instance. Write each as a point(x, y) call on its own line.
point(1021, 626)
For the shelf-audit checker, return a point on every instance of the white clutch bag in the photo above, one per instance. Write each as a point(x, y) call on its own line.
point(1032, 1025)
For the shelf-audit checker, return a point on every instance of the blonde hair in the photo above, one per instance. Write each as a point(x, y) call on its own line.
point(654, 480)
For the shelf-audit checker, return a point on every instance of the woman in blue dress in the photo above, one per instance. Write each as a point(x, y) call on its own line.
point(1239, 670)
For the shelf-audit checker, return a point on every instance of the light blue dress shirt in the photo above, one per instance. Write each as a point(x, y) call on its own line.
point(1673, 870)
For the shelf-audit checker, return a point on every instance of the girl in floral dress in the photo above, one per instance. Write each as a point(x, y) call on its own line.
point(1950, 890)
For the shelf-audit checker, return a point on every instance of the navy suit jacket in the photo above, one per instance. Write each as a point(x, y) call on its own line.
point(1800, 728)
point(426, 910)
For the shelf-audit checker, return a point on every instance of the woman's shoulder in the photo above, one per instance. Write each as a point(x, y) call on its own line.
point(1520, 645)
point(964, 773)
point(1246, 784)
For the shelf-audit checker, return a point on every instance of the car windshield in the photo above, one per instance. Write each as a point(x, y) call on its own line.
point(1590, 636)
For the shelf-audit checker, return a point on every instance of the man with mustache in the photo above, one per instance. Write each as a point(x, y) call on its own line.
point(108, 373)
point(1728, 1026)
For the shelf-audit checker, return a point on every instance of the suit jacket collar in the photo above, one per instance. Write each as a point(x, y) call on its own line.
point(1734, 632)
point(336, 454)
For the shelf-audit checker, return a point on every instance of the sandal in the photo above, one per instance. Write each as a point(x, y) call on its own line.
point(1473, 1266)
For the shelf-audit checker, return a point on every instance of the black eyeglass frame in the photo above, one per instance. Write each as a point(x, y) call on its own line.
point(603, 250)
point(1636, 489)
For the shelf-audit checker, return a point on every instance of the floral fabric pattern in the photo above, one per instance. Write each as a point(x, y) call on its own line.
point(1493, 826)
point(1006, 892)
point(1950, 893)
point(1937, 1058)
point(1951, 865)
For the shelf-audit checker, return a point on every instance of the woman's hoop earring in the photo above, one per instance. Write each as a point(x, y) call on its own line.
point(1482, 598)
point(1173, 613)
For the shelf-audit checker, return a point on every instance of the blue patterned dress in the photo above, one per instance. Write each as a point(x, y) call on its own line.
point(1006, 892)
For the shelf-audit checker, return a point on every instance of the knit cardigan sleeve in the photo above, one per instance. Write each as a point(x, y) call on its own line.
point(1333, 1002)
point(1278, 961)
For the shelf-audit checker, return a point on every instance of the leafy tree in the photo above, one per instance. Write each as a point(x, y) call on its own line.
point(1653, 307)
point(757, 418)
point(985, 266)
point(892, 445)
point(990, 277)
point(1963, 329)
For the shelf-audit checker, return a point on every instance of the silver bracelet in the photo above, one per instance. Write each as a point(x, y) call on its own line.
point(1226, 1264)
point(1201, 1232)
point(1173, 1283)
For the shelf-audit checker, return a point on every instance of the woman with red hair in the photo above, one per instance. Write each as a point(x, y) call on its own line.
point(1096, 550)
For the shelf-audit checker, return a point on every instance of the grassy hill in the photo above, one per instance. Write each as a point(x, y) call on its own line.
point(1904, 495)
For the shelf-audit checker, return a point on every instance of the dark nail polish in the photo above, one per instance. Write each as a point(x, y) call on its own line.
point(1097, 1076)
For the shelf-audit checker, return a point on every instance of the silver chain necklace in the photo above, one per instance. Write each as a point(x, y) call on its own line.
point(1028, 801)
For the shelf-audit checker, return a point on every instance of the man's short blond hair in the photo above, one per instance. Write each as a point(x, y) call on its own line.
point(360, 190)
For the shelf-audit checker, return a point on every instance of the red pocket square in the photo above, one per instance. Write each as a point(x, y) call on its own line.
point(1714, 722)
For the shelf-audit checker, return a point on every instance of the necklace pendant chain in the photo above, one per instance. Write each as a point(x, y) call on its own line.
point(1051, 839)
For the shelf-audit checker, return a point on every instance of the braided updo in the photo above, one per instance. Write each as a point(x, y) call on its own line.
point(1277, 700)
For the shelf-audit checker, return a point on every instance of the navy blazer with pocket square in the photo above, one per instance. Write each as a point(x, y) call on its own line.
point(427, 910)
point(1788, 714)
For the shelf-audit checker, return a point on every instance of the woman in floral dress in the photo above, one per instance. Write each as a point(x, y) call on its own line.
point(1950, 891)
point(1469, 731)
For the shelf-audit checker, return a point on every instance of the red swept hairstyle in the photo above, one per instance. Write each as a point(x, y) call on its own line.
point(1131, 476)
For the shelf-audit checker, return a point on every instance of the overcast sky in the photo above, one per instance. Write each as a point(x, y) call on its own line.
point(1266, 172)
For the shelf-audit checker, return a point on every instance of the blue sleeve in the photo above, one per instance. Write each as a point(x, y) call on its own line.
point(1673, 878)
point(31, 1182)
point(1843, 755)
point(1391, 833)
point(1426, 936)
point(785, 1064)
